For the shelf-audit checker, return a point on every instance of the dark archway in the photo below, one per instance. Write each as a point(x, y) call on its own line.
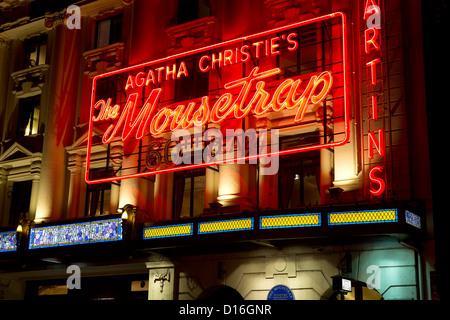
point(220, 293)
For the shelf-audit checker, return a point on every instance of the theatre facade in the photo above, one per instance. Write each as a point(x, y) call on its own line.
point(202, 149)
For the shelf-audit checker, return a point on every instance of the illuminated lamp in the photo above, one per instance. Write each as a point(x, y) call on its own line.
point(23, 230)
point(341, 285)
point(128, 217)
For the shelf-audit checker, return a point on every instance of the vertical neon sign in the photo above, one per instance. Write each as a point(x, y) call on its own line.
point(375, 137)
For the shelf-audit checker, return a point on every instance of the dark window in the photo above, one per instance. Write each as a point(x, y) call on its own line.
point(189, 10)
point(109, 31)
point(38, 8)
point(35, 51)
point(299, 174)
point(98, 196)
point(20, 201)
point(97, 199)
point(196, 85)
point(304, 59)
point(189, 193)
point(28, 119)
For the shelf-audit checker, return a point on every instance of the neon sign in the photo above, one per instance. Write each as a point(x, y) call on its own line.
point(376, 138)
point(253, 79)
point(185, 118)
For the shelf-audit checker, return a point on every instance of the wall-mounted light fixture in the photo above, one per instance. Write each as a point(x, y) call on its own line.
point(128, 218)
point(341, 285)
point(22, 231)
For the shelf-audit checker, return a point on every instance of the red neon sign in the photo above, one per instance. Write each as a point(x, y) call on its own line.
point(136, 105)
point(372, 35)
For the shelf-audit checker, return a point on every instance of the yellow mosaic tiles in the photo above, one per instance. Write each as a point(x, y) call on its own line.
point(225, 226)
point(286, 221)
point(168, 231)
point(358, 217)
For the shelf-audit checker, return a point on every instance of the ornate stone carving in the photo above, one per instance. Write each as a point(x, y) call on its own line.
point(29, 80)
point(290, 11)
point(104, 59)
point(55, 18)
point(162, 277)
point(192, 34)
point(35, 167)
point(4, 43)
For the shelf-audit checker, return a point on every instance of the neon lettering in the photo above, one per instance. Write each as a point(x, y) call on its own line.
point(215, 60)
point(372, 45)
point(284, 97)
point(370, 8)
point(106, 111)
point(126, 118)
point(371, 40)
point(252, 94)
point(244, 52)
point(378, 143)
point(201, 64)
point(150, 78)
point(171, 72)
point(274, 46)
point(182, 70)
point(129, 83)
point(293, 42)
point(373, 69)
point(374, 115)
point(377, 180)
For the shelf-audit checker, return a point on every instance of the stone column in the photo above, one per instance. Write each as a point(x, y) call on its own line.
point(326, 156)
point(3, 196)
point(116, 159)
point(35, 170)
point(5, 71)
point(59, 98)
point(233, 186)
point(163, 194)
point(268, 166)
point(73, 205)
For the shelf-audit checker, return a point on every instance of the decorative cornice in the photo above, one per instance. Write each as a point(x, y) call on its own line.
point(104, 59)
point(55, 18)
point(4, 43)
point(190, 35)
point(290, 11)
point(29, 80)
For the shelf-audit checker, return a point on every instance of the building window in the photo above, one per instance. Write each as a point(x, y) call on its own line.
point(109, 31)
point(189, 10)
point(98, 199)
point(98, 196)
point(189, 193)
point(35, 51)
point(194, 86)
point(20, 201)
point(304, 60)
point(28, 119)
point(299, 174)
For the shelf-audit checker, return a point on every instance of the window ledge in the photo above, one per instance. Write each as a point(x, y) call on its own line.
point(29, 81)
point(190, 35)
point(104, 59)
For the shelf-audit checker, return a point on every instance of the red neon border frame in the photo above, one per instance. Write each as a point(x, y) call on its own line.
point(224, 161)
